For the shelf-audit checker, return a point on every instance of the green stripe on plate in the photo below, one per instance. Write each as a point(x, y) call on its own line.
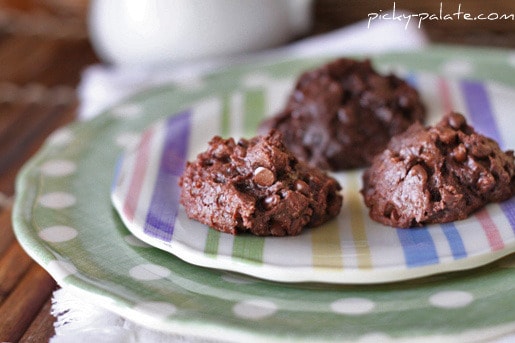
point(248, 248)
point(254, 110)
point(212, 241)
point(226, 115)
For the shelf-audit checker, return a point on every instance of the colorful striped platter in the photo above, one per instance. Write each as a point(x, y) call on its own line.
point(351, 249)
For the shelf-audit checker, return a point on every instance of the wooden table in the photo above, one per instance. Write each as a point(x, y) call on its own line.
point(40, 67)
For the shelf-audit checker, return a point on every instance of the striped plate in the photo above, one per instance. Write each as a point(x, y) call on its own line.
point(350, 249)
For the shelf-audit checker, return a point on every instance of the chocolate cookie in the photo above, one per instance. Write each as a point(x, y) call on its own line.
point(437, 174)
point(257, 186)
point(342, 114)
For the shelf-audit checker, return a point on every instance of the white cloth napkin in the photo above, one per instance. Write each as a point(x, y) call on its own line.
point(102, 86)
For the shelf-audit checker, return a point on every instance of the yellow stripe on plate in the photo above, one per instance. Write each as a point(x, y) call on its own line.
point(326, 248)
point(357, 210)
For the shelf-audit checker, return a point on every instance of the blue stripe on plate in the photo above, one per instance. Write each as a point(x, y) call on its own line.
point(418, 247)
point(411, 79)
point(117, 170)
point(454, 239)
point(164, 205)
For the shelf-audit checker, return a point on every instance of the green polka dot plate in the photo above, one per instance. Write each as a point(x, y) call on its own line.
point(64, 218)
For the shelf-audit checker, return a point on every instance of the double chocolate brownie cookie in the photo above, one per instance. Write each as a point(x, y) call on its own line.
point(437, 174)
point(343, 113)
point(257, 186)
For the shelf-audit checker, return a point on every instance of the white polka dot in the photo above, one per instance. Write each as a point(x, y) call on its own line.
point(60, 269)
point(353, 306)
point(237, 279)
point(192, 84)
point(393, 69)
point(58, 168)
point(57, 200)
point(451, 299)
point(127, 140)
point(254, 309)
point(256, 80)
point(127, 111)
point(156, 308)
point(149, 272)
point(61, 137)
point(135, 242)
point(511, 59)
point(374, 337)
point(457, 68)
point(58, 233)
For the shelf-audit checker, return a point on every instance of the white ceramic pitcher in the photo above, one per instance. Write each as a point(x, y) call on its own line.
point(153, 32)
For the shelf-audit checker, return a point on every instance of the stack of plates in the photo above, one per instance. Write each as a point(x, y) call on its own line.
point(98, 208)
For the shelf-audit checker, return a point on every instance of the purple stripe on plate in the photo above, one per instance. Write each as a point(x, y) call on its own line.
point(480, 110)
point(483, 118)
point(508, 208)
point(164, 204)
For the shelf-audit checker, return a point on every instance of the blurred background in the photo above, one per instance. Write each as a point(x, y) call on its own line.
point(47, 41)
point(45, 45)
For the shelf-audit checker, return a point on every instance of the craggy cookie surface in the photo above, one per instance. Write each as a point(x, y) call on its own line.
point(437, 174)
point(257, 186)
point(342, 114)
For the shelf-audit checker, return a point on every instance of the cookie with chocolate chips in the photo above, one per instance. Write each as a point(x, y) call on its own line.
point(340, 115)
point(437, 174)
point(257, 186)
